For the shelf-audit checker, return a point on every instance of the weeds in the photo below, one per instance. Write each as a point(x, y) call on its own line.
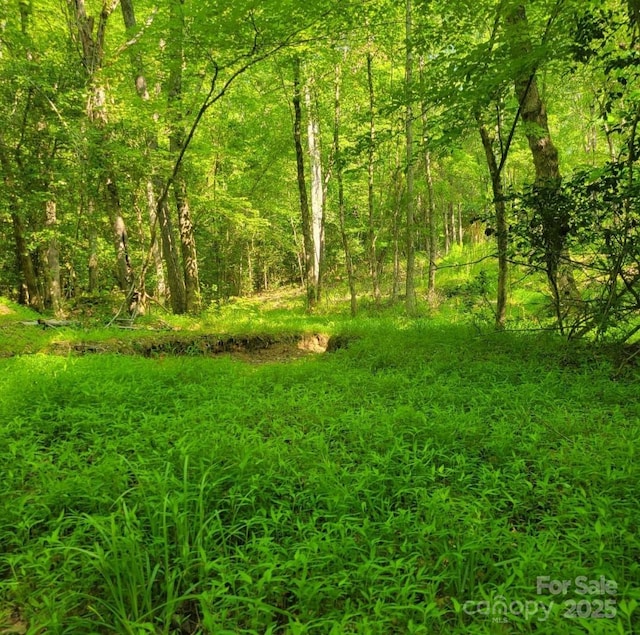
point(375, 489)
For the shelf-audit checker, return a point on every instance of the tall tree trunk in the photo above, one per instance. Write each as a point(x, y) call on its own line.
point(410, 229)
point(397, 213)
point(185, 223)
point(341, 204)
point(545, 159)
point(371, 228)
point(432, 225)
point(430, 220)
point(501, 224)
point(307, 235)
point(317, 197)
point(175, 290)
point(430, 207)
point(91, 35)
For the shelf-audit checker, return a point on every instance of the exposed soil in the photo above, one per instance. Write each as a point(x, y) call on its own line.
point(254, 348)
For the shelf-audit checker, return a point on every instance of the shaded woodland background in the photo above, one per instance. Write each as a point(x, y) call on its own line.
point(179, 153)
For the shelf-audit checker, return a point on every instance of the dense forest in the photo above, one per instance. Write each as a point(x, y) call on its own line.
point(182, 153)
point(319, 317)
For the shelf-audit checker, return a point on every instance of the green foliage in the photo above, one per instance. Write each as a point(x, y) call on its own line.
point(367, 490)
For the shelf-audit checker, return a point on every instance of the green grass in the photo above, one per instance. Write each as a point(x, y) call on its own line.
point(373, 490)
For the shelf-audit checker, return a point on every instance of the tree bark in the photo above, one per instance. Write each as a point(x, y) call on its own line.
point(156, 254)
point(176, 140)
point(501, 224)
point(94, 263)
point(120, 238)
point(159, 215)
point(341, 203)
point(545, 159)
point(91, 35)
point(317, 197)
point(371, 229)
point(410, 202)
point(430, 219)
point(307, 236)
point(53, 258)
point(445, 223)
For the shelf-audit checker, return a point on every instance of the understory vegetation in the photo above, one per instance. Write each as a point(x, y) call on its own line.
point(319, 318)
point(419, 469)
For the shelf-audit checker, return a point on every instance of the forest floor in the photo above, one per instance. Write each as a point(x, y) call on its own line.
point(425, 475)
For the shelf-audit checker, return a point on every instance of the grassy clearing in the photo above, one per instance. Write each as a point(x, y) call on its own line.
point(373, 490)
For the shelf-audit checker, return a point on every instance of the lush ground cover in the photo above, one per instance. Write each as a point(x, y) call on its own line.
point(388, 487)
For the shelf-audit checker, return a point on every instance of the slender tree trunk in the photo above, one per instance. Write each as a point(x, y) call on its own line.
point(307, 234)
point(445, 222)
point(94, 263)
point(501, 224)
point(176, 139)
point(430, 220)
point(175, 289)
point(371, 229)
point(161, 285)
point(460, 231)
point(410, 229)
point(341, 204)
point(452, 224)
point(397, 213)
point(317, 202)
point(53, 258)
point(300, 252)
